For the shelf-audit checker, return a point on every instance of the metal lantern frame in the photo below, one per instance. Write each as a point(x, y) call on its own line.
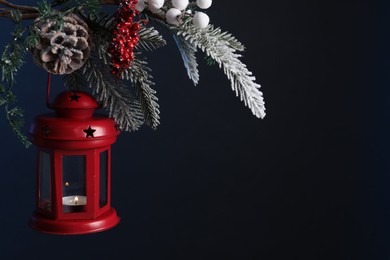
point(73, 194)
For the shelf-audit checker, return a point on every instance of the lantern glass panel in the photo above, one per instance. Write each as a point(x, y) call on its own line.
point(103, 178)
point(74, 197)
point(44, 181)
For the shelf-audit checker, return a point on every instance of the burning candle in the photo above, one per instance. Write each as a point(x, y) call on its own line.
point(75, 203)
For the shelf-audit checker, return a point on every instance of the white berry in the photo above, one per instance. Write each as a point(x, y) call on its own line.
point(180, 4)
point(140, 6)
point(172, 16)
point(201, 20)
point(204, 4)
point(155, 4)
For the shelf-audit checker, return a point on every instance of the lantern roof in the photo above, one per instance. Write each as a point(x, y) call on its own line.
point(75, 100)
point(74, 124)
point(75, 104)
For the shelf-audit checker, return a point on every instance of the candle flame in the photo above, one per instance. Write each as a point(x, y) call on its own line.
point(76, 200)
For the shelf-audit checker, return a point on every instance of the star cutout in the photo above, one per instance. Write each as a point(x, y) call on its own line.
point(46, 130)
point(74, 97)
point(89, 132)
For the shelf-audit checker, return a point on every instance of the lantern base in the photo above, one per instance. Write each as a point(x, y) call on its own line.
point(75, 227)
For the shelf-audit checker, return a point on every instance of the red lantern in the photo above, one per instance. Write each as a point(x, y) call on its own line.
point(73, 173)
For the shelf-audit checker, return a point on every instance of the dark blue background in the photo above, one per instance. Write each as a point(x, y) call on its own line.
point(213, 182)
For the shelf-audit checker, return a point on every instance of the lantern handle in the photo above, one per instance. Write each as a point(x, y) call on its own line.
point(48, 91)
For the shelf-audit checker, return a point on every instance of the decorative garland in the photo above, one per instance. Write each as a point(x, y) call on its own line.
point(103, 52)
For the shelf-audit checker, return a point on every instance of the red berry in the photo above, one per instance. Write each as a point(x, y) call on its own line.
point(125, 37)
point(136, 27)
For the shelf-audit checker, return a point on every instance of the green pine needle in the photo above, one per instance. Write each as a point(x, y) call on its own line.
point(210, 61)
point(44, 9)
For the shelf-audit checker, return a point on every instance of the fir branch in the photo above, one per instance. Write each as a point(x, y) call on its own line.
point(11, 61)
point(101, 27)
point(12, 57)
point(92, 7)
point(222, 48)
point(120, 102)
point(150, 39)
point(187, 50)
point(139, 74)
point(45, 12)
point(225, 37)
point(44, 9)
point(33, 38)
point(14, 117)
point(188, 54)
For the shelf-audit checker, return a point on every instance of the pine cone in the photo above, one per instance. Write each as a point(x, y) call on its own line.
point(62, 51)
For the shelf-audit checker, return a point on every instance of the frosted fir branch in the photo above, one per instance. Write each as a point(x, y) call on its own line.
point(101, 36)
point(139, 75)
point(188, 54)
point(186, 49)
point(150, 39)
point(223, 51)
point(225, 37)
point(118, 100)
